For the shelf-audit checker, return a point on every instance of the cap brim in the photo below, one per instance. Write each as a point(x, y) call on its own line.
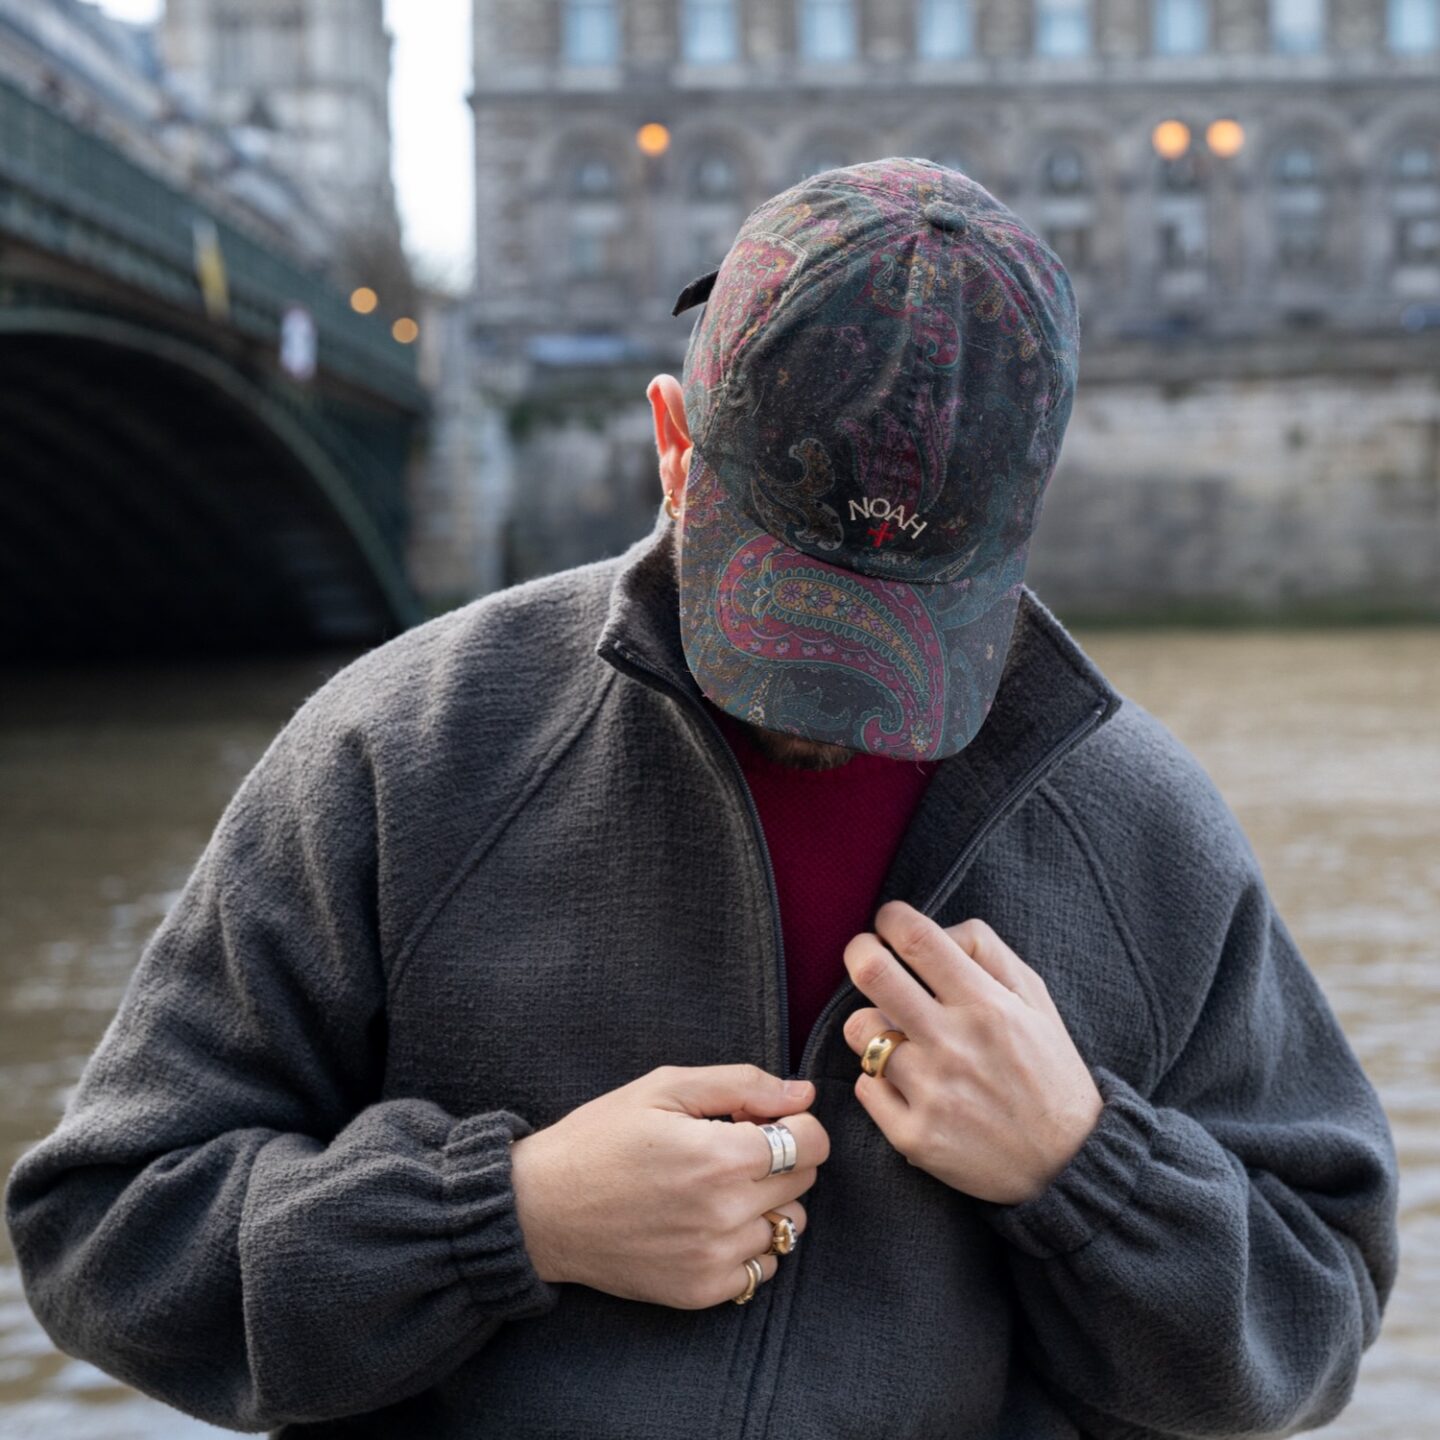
point(787, 642)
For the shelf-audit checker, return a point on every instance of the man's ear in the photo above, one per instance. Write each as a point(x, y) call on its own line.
point(672, 432)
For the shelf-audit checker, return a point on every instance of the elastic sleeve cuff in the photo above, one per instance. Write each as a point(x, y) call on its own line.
point(485, 1235)
point(1094, 1186)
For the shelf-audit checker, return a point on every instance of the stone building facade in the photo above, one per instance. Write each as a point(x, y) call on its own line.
point(1246, 193)
point(309, 82)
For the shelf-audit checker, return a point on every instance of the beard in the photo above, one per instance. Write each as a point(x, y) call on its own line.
point(797, 753)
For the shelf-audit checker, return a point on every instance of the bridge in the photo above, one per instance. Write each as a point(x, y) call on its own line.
point(166, 483)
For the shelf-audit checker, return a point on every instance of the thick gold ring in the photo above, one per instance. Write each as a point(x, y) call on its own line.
point(878, 1051)
point(785, 1237)
point(756, 1272)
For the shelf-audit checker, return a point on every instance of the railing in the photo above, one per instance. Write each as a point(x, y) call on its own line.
point(70, 193)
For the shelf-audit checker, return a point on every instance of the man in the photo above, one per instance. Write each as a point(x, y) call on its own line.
point(473, 1085)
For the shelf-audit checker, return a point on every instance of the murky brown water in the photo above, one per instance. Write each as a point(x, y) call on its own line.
point(1327, 746)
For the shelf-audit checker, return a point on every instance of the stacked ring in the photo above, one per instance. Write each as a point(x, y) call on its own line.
point(878, 1051)
point(785, 1237)
point(783, 1153)
point(756, 1272)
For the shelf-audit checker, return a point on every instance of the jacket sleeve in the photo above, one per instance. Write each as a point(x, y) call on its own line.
point(1217, 1255)
point(226, 1217)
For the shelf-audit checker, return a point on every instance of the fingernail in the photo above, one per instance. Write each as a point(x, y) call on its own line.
point(797, 1089)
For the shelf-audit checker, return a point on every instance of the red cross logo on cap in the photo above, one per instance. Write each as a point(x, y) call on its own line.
point(881, 534)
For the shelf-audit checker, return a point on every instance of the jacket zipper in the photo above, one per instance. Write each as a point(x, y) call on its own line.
point(782, 982)
point(937, 898)
point(956, 872)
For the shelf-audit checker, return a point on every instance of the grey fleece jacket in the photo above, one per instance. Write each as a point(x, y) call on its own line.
point(506, 863)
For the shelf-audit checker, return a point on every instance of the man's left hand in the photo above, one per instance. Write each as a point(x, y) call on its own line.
point(989, 1093)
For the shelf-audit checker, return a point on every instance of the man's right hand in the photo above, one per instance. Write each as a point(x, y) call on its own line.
point(646, 1193)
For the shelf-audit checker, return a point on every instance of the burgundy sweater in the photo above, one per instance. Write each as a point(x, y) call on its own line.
point(831, 835)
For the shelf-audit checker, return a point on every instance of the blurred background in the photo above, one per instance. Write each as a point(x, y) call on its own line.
point(321, 316)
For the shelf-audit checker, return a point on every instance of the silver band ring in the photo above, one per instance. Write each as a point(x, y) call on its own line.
point(783, 1151)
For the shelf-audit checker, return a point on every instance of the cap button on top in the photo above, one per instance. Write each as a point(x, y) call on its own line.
point(946, 217)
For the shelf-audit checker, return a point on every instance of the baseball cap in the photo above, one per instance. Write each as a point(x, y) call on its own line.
point(877, 390)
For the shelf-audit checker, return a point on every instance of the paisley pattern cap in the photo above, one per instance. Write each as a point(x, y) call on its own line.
point(877, 390)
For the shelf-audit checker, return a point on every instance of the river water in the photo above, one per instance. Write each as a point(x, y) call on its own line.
point(1327, 745)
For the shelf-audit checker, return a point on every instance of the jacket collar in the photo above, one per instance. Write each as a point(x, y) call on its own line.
point(1051, 696)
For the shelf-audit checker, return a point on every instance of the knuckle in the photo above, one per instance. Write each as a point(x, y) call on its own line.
point(870, 967)
point(914, 934)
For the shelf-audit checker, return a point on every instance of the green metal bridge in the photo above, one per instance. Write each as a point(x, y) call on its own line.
point(165, 484)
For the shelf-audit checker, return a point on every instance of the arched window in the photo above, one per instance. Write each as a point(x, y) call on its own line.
point(1300, 204)
point(1062, 27)
point(1414, 26)
point(945, 29)
point(1064, 171)
point(1182, 215)
point(593, 218)
point(591, 32)
point(1415, 203)
point(1181, 27)
point(1297, 27)
point(714, 176)
point(714, 210)
point(592, 177)
point(1065, 211)
point(828, 30)
point(710, 32)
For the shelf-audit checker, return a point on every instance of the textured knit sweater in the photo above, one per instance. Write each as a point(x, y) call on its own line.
point(506, 863)
point(831, 836)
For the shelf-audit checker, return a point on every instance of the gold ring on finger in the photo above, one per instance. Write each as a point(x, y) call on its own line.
point(756, 1273)
point(785, 1236)
point(878, 1051)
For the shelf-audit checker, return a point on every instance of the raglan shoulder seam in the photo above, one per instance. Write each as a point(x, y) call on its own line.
point(544, 768)
point(1075, 828)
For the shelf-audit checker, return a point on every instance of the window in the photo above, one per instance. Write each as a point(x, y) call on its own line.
point(1181, 27)
point(592, 177)
point(1180, 176)
point(1065, 171)
point(946, 30)
point(713, 176)
point(1182, 214)
point(592, 32)
point(828, 30)
point(1414, 26)
point(1297, 27)
point(1184, 240)
point(1301, 207)
point(1414, 161)
point(1415, 203)
point(710, 34)
point(1062, 27)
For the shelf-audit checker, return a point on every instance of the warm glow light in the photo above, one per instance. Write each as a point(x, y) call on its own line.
point(653, 139)
point(364, 300)
point(1226, 138)
point(405, 330)
point(1171, 139)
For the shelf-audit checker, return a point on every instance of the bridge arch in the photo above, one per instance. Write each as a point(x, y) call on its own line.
point(159, 496)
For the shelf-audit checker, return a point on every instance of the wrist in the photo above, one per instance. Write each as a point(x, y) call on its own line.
point(1076, 1127)
point(527, 1174)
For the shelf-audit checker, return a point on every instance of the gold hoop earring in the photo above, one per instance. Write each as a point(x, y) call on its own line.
point(671, 508)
